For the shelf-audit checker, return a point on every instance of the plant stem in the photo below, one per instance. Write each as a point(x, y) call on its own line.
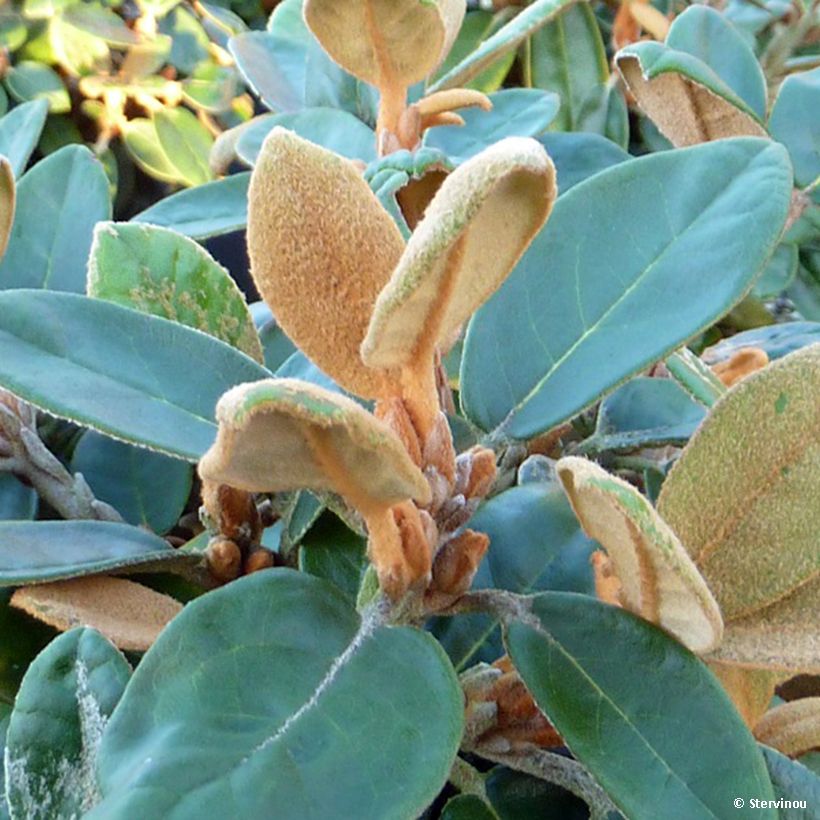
point(562, 771)
point(23, 452)
point(689, 371)
point(467, 779)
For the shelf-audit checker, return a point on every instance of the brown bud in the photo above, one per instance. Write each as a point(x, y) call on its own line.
point(394, 414)
point(438, 449)
point(482, 473)
point(418, 553)
point(224, 559)
point(457, 562)
point(430, 529)
point(257, 560)
point(439, 489)
point(232, 512)
point(740, 364)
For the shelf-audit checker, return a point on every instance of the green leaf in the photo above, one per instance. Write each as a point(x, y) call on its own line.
point(517, 796)
point(567, 56)
point(335, 130)
point(794, 782)
point(599, 311)
point(140, 378)
point(577, 156)
point(58, 203)
point(190, 41)
point(748, 514)
point(522, 112)
point(61, 711)
point(478, 25)
point(333, 552)
point(186, 142)
point(211, 87)
point(683, 96)
point(17, 501)
point(29, 80)
point(708, 35)
point(301, 710)
point(34, 552)
point(75, 51)
point(208, 210)
point(536, 544)
point(776, 340)
point(644, 412)
point(507, 38)
point(467, 807)
point(102, 22)
point(158, 271)
point(791, 122)
point(586, 664)
point(147, 489)
point(19, 132)
point(270, 66)
point(142, 143)
point(779, 273)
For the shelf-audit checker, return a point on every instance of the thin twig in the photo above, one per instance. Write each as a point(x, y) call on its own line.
point(562, 771)
point(22, 452)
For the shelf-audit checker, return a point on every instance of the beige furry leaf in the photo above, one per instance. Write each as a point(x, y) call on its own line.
point(683, 97)
point(658, 579)
point(751, 690)
point(321, 248)
point(792, 728)
point(386, 42)
point(784, 636)
point(128, 614)
point(7, 201)
point(475, 229)
point(285, 434)
point(743, 497)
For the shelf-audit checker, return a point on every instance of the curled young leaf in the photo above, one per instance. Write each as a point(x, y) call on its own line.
point(7, 202)
point(321, 248)
point(130, 615)
point(285, 434)
point(742, 498)
point(792, 728)
point(387, 43)
point(683, 96)
point(475, 229)
point(658, 579)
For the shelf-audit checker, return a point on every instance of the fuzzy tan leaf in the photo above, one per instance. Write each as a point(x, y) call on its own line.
point(475, 229)
point(685, 111)
point(128, 614)
point(743, 497)
point(751, 690)
point(321, 248)
point(784, 636)
point(285, 434)
point(791, 728)
point(386, 42)
point(7, 201)
point(658, 579)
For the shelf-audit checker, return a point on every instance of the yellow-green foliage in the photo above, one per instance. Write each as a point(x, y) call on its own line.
point(743, 498)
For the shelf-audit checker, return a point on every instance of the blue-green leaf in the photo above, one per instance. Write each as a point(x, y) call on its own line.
point(136, 377)
point(58, 203)
point(19, 132)
point(795, 123)
point(625, 271)
point(521, 112)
